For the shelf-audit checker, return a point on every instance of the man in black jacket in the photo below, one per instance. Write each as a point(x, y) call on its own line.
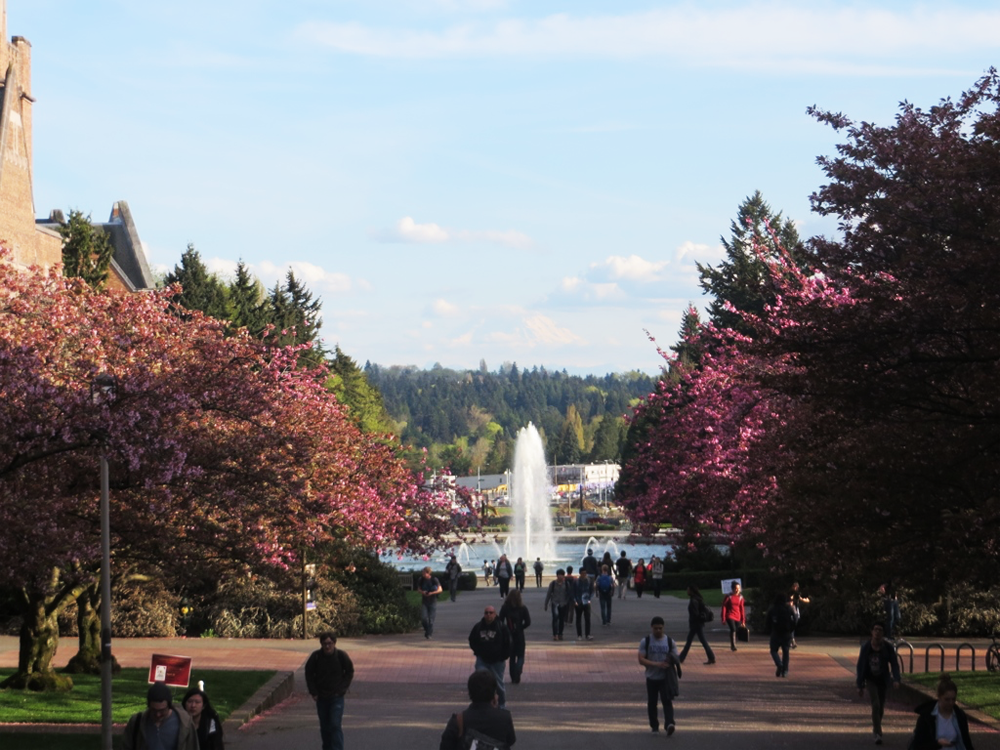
point(482, 715)
point(490, 642)
point(329, 672)
point(877, 664)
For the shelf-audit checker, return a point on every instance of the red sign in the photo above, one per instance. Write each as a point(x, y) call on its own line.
point(175, 671)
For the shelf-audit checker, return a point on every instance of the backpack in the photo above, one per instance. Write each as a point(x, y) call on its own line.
point(705, 613)
point(472, 739)
point(605, 583)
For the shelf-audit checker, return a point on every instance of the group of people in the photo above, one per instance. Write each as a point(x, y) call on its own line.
point(194, 725)
point(500, 573)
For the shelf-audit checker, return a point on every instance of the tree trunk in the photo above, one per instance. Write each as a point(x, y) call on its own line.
point(87, 659)
point(39, 641)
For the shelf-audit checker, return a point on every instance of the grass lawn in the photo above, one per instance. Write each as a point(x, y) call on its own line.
point(713, 597)
point(82, 705)
point(979, 690)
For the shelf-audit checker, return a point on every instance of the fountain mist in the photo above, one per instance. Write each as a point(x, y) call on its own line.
point(531, 535)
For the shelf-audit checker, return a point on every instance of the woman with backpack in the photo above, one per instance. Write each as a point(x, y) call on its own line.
point(698, 615)
point(515, 615)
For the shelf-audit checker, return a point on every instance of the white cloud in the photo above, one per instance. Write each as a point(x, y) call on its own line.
point(317, 280)
point(632, 268)
point(822, 38)
point(408, 231)
point(444, 309)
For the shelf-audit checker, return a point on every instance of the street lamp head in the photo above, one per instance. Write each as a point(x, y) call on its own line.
point(104, 388)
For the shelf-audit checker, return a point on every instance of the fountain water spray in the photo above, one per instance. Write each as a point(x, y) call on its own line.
point(531, 535)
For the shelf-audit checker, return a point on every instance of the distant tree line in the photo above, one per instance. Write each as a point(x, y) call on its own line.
point(468, 419)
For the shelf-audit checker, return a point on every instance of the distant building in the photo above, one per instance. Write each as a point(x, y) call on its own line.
point(38, 243)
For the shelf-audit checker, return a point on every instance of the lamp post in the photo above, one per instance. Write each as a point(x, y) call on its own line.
point(102, 391)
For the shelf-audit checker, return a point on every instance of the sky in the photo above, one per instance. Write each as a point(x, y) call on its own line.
point(467, 181)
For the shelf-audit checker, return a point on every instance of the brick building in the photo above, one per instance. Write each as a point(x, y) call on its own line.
point(38, 243)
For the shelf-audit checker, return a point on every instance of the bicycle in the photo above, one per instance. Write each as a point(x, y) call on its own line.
point(993, 656)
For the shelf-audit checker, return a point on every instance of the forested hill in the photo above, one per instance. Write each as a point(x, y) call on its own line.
point(468, 419)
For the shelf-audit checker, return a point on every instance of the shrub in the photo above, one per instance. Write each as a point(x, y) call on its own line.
point(144, 610)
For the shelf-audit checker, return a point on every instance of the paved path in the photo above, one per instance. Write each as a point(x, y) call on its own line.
point(574, 695)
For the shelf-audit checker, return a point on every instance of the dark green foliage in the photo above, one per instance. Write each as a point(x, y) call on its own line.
point(86, 251)
point(437, 406)
point(381, 601)
point(354, 391)
point(246, 302)
point(608, 439)
point(742, 279)
point(201, 290)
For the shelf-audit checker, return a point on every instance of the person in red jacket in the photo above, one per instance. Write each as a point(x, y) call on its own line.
point(734, 613)
point(639, 578)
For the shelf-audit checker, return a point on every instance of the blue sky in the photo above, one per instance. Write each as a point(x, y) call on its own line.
point(467, 180)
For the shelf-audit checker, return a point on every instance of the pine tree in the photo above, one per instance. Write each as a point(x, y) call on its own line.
point(246, 298)
point(201, 290)
point(742, 280)
point(86, 250)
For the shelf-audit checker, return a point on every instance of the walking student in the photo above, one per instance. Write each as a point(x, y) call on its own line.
point(161, 725)
point(583, 592)
point(697, 616)
point(560, 596)
point(877, 665)
point(453, 570)
point(658, 654)
point(639, 578)
point(605, 593)
point(538, 567)
point(734, 612)
point(429, 587)
point(623, 567)
point(329, 672)
point(780, 624)
point(482, 721)
point(489, 640)
point(516, 617)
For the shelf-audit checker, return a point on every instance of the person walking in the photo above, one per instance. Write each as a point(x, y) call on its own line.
point(519, 571)
point(504, 574)
point(639, 577)
point(656, 569)
point(489, 640)
point(583, 592)
point(658, 654)
point(452, 571)
point(623, 568)
point(487, 572)
point(516, 617)
point(697, 616)
point(206, 721)
point(941, 723)
point(161, 725)
point(798, 599)
point(734, 612)
point(329, 672)
point(589, 564)
point(429, 588)
point(877, 665)
point(482, 720)
point(560, 596)
point(605, 586)
point(539, 567)
point(780, 624)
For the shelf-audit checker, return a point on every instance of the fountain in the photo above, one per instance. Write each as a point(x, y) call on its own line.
point(531, 534)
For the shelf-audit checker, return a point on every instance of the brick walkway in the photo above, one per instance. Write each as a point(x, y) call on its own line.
point(574, 695)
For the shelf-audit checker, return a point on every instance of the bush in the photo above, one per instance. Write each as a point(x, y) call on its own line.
point(381, 601)
point(143, 610)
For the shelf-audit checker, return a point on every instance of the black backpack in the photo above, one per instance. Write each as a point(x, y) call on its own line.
point(472, 739)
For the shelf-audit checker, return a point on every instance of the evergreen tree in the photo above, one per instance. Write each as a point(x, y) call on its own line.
point(743, 280)
point(354, 391)
point(201, 289)
point(86, 250)
point(247, 307)
point(607, 439)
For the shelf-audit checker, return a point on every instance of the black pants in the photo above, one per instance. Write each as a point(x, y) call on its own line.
point(583, 618)
point(504, 586)
point(656, 690)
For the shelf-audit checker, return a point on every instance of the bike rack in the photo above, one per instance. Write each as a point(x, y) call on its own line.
point(958, 655)
point(899, 645)
point(927, 656)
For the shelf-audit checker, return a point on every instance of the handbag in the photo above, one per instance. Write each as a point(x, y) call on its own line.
point(742, 634)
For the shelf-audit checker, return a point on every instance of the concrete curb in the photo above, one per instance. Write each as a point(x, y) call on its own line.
point(274, 691)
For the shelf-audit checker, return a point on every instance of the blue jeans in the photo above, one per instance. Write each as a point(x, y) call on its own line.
point(331, 721)
point(427, 613)
point(606, 600)
point(497, 668)
point(559, 615)
point(780, 641)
